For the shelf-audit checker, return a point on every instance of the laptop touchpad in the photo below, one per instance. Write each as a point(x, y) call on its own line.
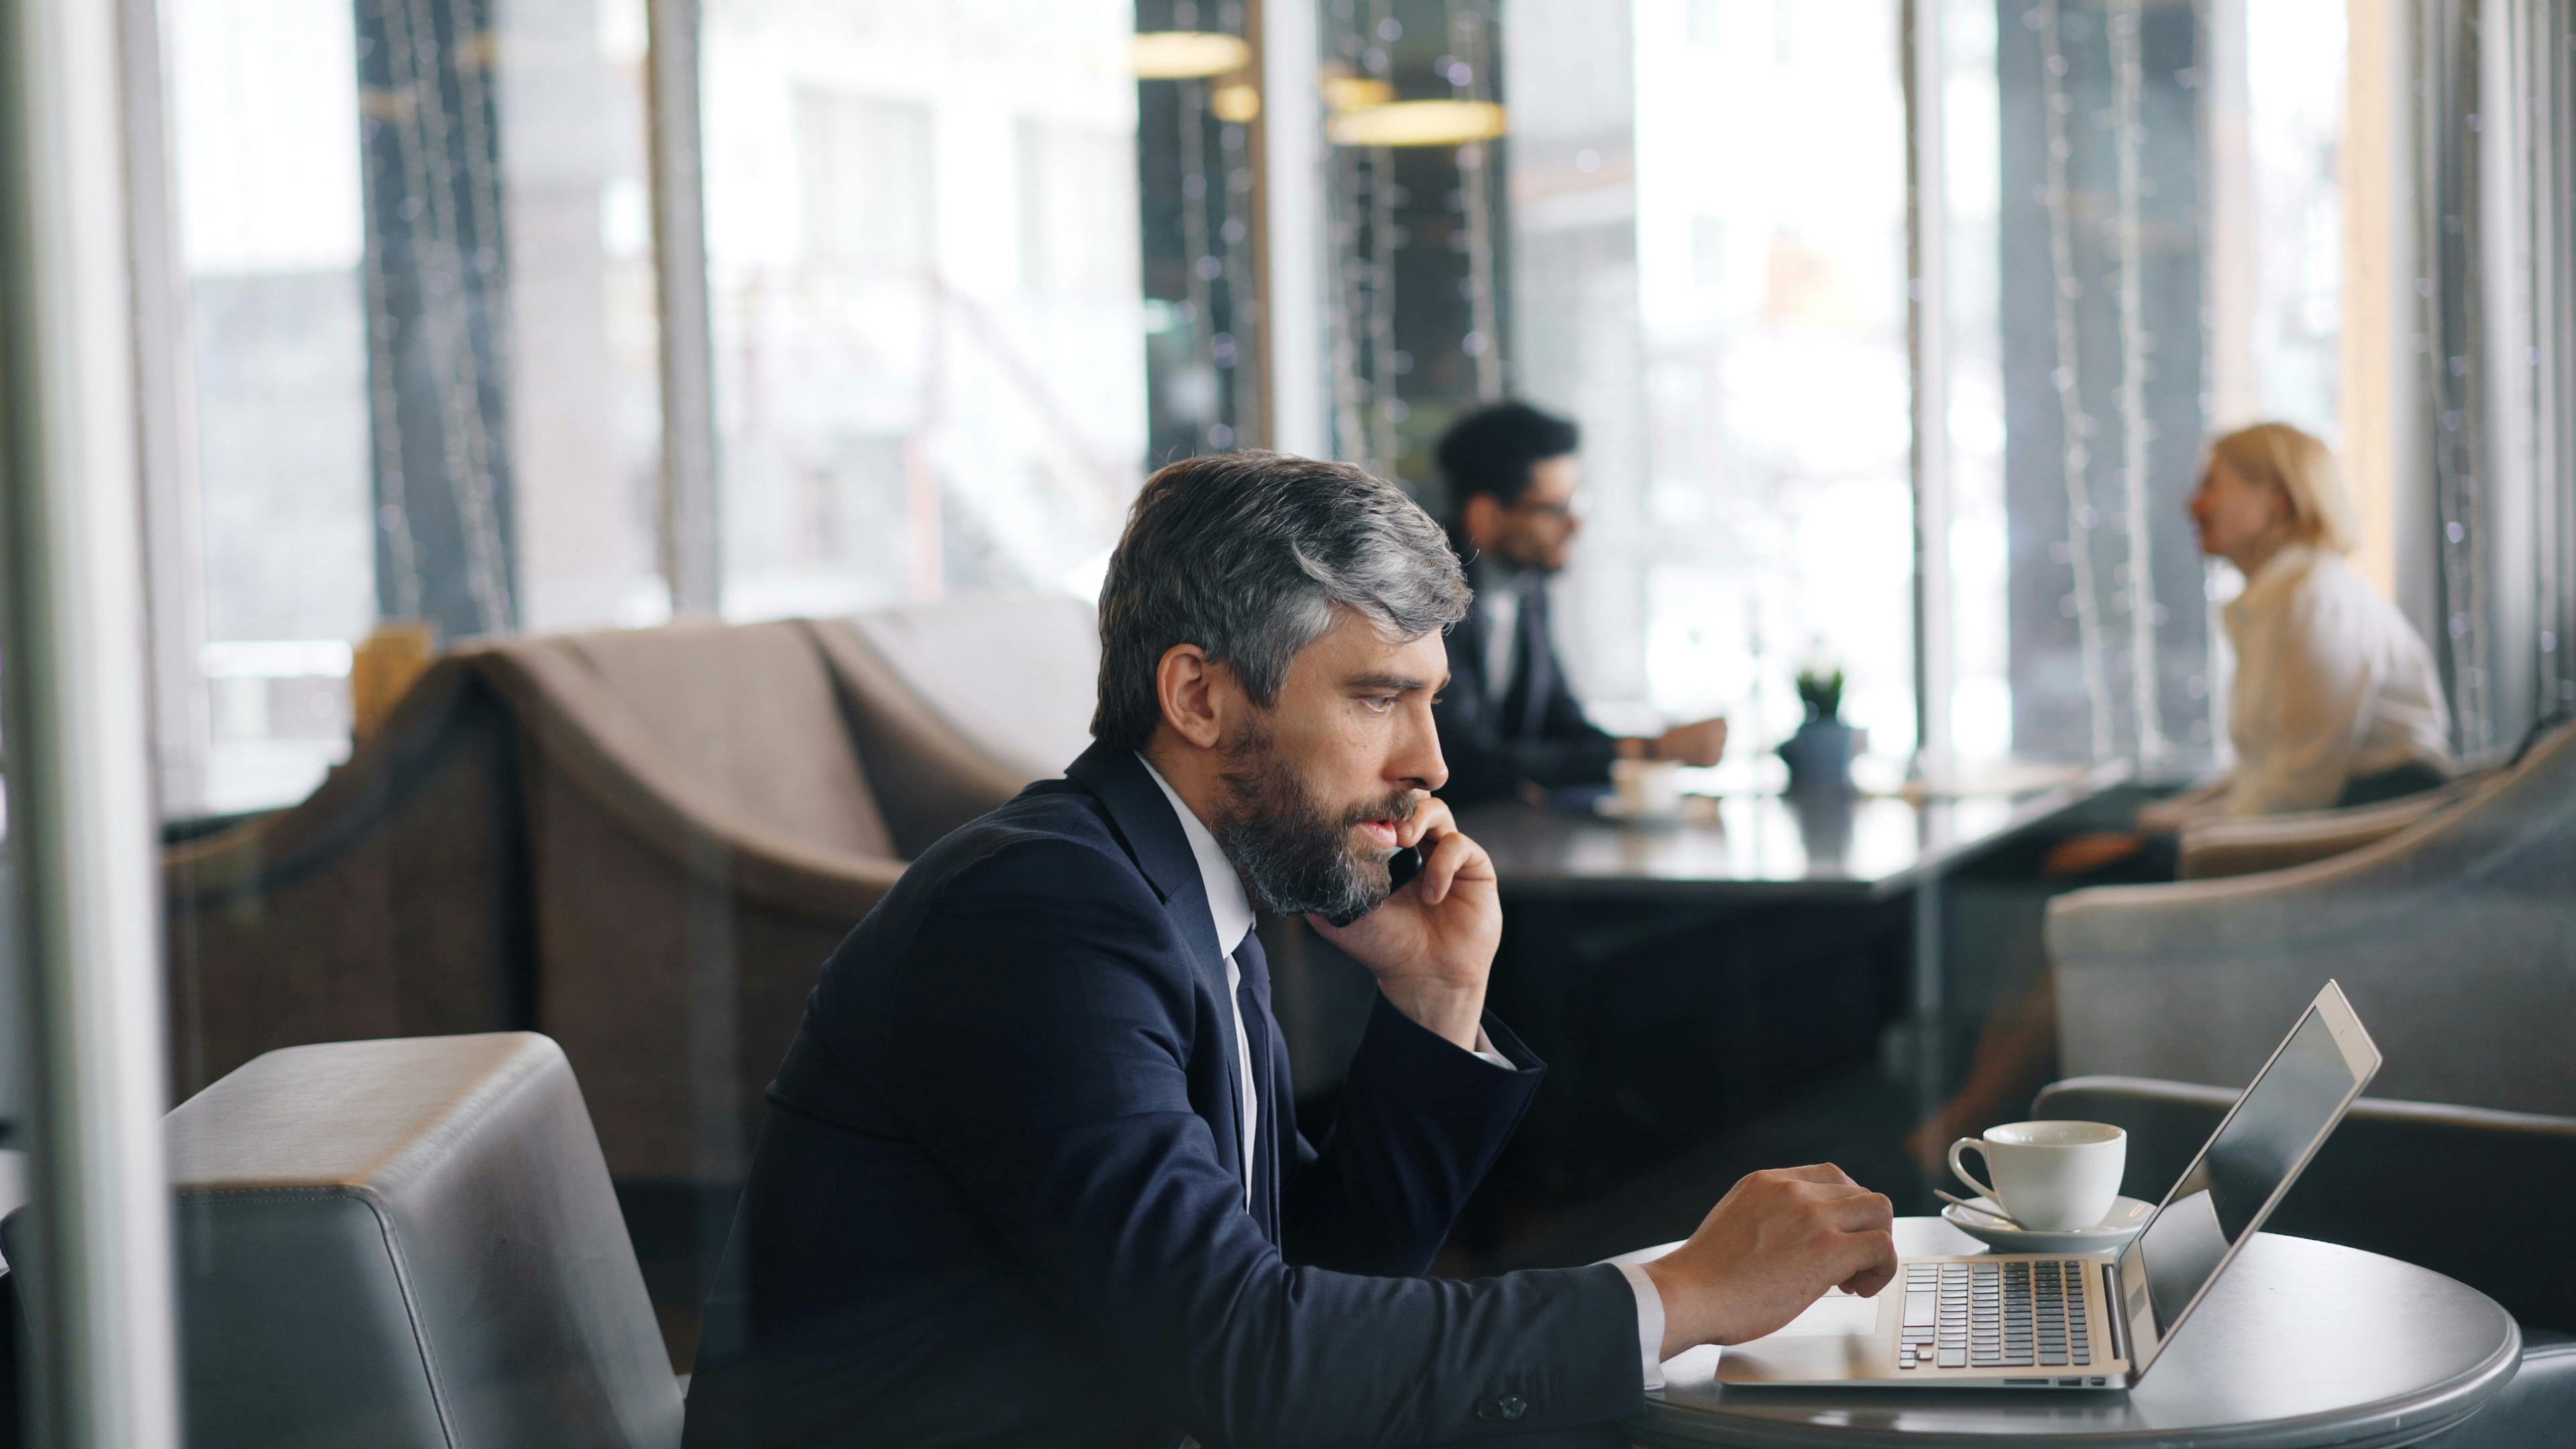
point(1837, 1313)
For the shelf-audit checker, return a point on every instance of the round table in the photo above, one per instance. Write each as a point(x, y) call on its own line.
point(2300, 1343)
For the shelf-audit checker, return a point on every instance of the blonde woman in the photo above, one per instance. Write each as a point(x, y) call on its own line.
point(2335, 702)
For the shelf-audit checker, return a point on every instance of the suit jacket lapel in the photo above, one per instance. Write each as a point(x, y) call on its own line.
point(1154, 837)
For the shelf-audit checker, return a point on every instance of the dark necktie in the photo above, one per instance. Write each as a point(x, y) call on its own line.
point(1524, 704)
point(1263, 1170)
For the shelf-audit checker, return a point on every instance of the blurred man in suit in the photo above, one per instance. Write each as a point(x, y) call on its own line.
point(1510, 722)
point(1031, 1173)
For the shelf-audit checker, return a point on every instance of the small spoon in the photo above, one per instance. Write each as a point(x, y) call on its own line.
point(1951, 1197)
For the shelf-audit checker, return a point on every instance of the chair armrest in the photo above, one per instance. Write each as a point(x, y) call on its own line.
point(579, 727)
point(927, 779)
point(2217, 848)
point(2392, 1179)
point(285, 846)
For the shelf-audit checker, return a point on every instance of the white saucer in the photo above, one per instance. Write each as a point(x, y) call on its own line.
point(2127, 1215)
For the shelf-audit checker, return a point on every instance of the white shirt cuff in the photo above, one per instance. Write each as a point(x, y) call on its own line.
point(1650, 1323)
point(1485, 1049)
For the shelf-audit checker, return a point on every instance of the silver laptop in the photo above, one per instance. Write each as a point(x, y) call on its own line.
point(2089, 1320)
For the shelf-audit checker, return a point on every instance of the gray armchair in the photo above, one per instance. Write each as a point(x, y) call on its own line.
point(2213, 849)
point(2454, 937)
point(409, 1243)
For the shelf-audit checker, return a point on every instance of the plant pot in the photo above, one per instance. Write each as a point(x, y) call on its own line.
point(1819, 756)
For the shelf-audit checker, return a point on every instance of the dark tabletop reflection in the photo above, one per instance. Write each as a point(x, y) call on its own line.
point(1832, 843)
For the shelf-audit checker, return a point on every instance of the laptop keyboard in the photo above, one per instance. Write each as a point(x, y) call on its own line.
point(1995, 1315)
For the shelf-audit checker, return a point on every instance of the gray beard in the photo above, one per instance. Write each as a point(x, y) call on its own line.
point(1295, 857)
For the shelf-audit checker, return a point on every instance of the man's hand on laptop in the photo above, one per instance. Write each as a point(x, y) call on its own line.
point(1431, 946)
point(1773, 1245)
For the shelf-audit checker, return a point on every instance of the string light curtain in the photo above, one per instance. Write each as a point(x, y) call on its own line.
point(2546, 36)
point(1196, 172)
point(2102, 288)
point(2450, 290)
point(1415, 255)
point(2494, 172)
point(437, 296)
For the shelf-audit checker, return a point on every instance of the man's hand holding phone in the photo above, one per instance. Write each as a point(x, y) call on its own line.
point(1431, 946)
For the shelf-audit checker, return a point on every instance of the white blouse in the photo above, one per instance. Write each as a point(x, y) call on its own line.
point(2331, 685)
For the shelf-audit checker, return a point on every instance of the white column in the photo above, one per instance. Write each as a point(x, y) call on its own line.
point(2378, 361)
point(86, 884)
point(692, 559)
point(173, 528)
point(1293, 181)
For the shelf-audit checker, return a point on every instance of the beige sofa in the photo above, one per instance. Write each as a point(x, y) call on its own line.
point(2455, 938)
point(641, 842)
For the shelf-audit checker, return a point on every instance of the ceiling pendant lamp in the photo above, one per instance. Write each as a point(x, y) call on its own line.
point(1186, 54)
point(1418, 123)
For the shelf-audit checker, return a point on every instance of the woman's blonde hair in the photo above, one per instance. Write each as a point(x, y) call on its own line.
point(2303, 468)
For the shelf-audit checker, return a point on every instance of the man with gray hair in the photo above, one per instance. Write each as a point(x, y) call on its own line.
point(1030, 1173)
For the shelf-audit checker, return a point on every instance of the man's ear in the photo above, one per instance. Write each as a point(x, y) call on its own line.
point(1482, 519)
point(1188, 683)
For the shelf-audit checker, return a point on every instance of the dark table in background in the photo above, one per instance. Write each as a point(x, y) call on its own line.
point(1763, 846)
point(1752, 848)
point(2301, 1344)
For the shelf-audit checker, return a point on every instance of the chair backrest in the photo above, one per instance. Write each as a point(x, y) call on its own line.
point(1014, 674)
point(742, 714)
point(2479, 1195)
point(409, 1242)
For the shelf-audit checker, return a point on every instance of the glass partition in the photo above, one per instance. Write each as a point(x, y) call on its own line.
point(1727, 322)
point(442, 761)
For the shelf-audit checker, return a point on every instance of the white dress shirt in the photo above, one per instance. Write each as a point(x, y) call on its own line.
point(1502, 624)
point(1230, 911)
point(2331, 685)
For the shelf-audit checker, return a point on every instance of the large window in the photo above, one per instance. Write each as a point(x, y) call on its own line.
point(970, 277)
point(928, 331)
point(264, 105)
point(2135, 211)
point(2139, 217)
point(1728, 323)
point(420, 292)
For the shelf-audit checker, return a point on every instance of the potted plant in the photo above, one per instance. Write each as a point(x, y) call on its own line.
point(1819, 754)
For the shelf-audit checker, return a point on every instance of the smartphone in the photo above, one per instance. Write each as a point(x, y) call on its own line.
point(1401, 868)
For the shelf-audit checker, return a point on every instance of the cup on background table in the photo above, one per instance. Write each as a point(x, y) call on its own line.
point(1647, 788)
point(2051, 1177)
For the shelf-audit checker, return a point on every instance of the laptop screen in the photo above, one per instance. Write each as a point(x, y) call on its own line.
point(2225, 1194)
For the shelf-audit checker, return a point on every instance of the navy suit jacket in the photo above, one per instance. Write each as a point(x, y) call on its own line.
point(1493, 748)
point(999, 1197)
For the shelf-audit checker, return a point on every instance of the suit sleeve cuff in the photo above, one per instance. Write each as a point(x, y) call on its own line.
point(1650, 1323)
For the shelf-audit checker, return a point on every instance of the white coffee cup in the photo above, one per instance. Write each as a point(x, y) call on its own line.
point(1648, 787)
point(2052, 1177)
